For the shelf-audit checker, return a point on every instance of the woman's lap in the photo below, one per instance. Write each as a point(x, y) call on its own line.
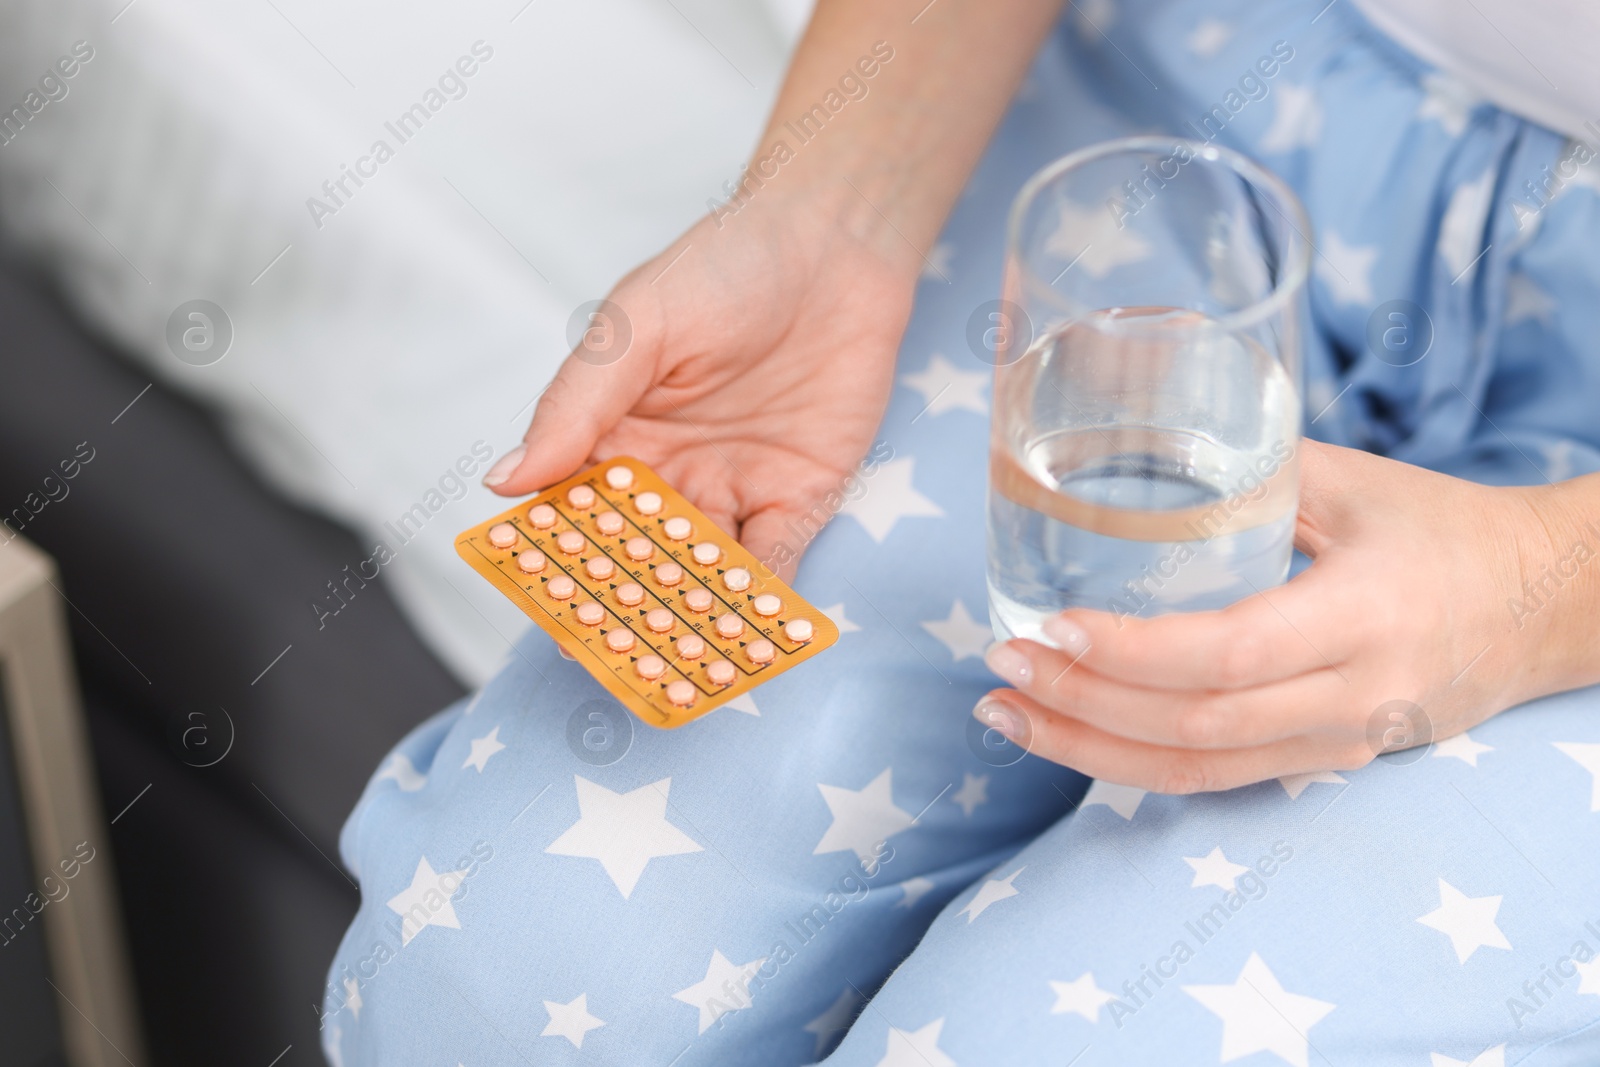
point(1443, 901)
point(647, 885)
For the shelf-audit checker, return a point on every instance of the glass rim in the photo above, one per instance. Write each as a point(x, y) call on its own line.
point(1290, 280)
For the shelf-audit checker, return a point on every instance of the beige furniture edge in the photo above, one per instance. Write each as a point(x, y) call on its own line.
point(83, 932)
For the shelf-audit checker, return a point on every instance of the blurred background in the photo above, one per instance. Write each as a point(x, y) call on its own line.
point(278, 280)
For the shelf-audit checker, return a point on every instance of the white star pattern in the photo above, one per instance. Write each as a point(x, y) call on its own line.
point(946, 387)
point(571, 1020)
point(426, 901)
point(1557, 460)
point(1489, 1057)
point(1095, 17)
point(1296, 123)
point(624, 831)
point(404, 774)
point(963, 635)
point(889, 498)
point(1588, 757)
point(1295, 784)
point(1448, 101)
point(1080, 995)
point(937, 265)
point(1215, 869)
point(1346, 270)
point(482, 748)
point(1207, 38)
point(1461, 747)
point(352, 996)
point(745, 702)
point(1525, 300)
point(974, 791)
point(724, 989)
point(330, 1045)
point(1258, 1015)
point(1467, 921)
point(835, 1020)
point(845, 625)
point(1122, 799)
point(861, 818)
point(916, 1048)
point(1588, 976)
point(1461, 230)
point(1090, 238)
point(913, 890)
point(991, 893)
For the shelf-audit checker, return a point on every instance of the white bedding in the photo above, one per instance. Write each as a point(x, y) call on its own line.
point(384, 348)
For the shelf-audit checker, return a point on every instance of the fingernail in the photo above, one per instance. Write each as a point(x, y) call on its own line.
point(502, 470)
point(1067, 635)
point(1008, 663)
point(998, 715)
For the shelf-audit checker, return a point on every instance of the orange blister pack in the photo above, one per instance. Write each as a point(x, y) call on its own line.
point(670, 613)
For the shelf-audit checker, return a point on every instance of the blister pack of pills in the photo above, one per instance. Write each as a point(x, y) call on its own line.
point(672, 615)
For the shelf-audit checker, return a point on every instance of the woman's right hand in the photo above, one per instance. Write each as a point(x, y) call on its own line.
point(760, 363)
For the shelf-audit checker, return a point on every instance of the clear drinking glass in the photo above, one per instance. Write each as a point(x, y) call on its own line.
point(1146, 418)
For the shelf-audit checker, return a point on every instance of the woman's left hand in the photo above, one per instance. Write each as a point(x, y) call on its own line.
point(1399, 632)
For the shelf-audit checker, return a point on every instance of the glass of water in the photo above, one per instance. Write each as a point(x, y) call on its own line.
point(1146, 418)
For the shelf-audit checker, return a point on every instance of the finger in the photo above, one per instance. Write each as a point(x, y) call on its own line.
point(1204, 719)
point(1269, 636)
point(772, 535)
point(584, 401)
point(1159, 769)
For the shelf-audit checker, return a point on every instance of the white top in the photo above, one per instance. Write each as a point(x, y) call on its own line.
point(1534, 58)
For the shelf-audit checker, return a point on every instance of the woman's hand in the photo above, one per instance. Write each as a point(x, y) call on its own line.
point(1406, 601)
point(763, 348)
point(760, 364)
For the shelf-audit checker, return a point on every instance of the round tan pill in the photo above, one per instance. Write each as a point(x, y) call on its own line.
point(659, 620)
point(762, 651)
point(681, 693)
point(571, 542)
point(729, 626)
point(619, 478)
point(609, 523)
point(799, 630)
point(737, 579)
point(561, 587)
point(650, 667)
point(543, 516)
point(620, 640)
point(568, 656)
point(678, 528)
point(581, 496)
point(590, 614)
point(669, 574)
point(767, 605)
point(600, 568)
point(648, 503)
point(721, 673)
point(697, 601)
point(691, 646)
point(530, 561)
point(502, 535)
point(639, 549)
point(630, 594)
point(706, 553)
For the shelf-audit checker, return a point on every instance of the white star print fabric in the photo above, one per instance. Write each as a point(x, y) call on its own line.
point(839, 870)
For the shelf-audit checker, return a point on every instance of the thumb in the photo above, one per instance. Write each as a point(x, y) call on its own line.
point(1326, 477)
point(590, 393)
point(778, 536)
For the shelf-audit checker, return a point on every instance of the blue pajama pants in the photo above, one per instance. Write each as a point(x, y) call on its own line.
point(839, 869)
